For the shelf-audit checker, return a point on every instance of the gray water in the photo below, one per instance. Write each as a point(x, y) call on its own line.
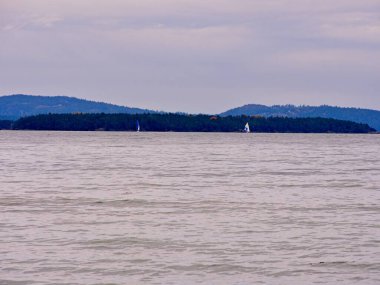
point(189, 208)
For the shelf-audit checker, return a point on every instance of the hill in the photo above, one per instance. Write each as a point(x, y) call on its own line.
point(185, 123)
point(15, 106)
point(366, 116)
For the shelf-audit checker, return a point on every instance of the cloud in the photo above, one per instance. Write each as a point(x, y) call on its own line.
point(46, 21)
point(357, 27)
point(338, 59)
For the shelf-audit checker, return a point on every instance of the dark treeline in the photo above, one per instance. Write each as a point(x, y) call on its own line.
point(5, 124)
point(185, 123)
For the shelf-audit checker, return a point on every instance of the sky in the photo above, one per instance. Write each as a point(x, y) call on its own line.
point(198, 56)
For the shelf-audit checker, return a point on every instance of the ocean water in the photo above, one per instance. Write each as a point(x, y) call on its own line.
point(189, 208)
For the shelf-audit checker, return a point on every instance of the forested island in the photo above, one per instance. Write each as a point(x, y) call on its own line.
point(13, 107)
point(182, 123)
point(358, 115)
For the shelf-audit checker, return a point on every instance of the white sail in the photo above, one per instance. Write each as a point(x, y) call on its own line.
point(137, 126)
point(246, 128)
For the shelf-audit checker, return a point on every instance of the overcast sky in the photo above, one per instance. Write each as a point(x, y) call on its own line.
point(193, 55)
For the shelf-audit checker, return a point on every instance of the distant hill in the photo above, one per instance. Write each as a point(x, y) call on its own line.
point(366, 116)
point(15, 106)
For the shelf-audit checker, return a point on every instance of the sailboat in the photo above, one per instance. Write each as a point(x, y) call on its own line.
point(137, 126)
point(246, 128)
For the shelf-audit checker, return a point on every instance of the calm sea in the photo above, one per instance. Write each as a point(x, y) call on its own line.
point(189, 208)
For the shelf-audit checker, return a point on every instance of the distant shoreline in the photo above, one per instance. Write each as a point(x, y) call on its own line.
point(13, 107)
point(171, 122)
point(193, 132)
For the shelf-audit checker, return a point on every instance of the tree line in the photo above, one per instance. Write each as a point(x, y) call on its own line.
point(182, 123)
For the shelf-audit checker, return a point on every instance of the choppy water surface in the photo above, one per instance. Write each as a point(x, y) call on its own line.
point(189, 208)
